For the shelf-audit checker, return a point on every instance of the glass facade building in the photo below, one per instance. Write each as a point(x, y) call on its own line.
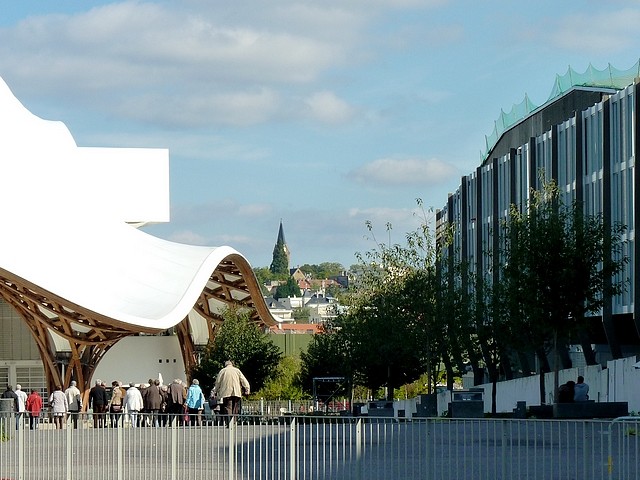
point(585, 139)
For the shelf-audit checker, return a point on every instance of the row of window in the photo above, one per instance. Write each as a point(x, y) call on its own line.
point(507, 180)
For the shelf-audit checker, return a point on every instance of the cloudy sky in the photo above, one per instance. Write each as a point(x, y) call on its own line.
point(322, 114)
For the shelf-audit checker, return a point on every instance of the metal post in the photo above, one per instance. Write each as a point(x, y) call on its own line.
point(69, 451)
point(358, 442)
point(428, 443)
point(174, 446)
point(292, 449)
point(610, 446)
point(609, 453)
point(21, 447)
point(232, 447)
point(120, 443)
point(505, 454)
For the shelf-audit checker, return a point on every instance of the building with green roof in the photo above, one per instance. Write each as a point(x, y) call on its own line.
point(584, 137)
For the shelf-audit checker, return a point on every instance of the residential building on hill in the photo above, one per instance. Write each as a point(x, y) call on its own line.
point(292, 302)
point(321, 308)
point(279, 310)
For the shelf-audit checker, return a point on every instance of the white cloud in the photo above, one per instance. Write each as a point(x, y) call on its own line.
point(218, 213)
point(380, 216)
point(233, 108)
point(398, 3)
point(234, 240)
point(187, 237)
point(400, 172)
point(328, 108)
point(174, 66)
point(597, 32)
point(255, 210)
point(138, 39)
point(197, 63)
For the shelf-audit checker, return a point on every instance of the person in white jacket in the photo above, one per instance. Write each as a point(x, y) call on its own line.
point(133, 404)
point(22, 400)
point(75, 403)
point(59, 406)
point(231, 384)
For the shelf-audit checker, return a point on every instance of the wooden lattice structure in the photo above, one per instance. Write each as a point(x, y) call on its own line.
point(79, 294)
point(232, 283)
point(88, 335)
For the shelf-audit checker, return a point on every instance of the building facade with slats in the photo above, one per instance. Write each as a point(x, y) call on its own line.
point(20, 361)
point(585, 139)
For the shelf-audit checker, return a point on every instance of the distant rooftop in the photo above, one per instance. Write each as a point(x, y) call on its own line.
point(610, 77)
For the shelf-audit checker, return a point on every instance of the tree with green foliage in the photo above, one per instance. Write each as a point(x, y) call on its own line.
point(240, 340)
point(495, 329)
point(324, 270)
point(391, 324)
point(455, 337)
point(386, 339)
point(289, 289)
point(334, 291)
point(285, 383)
point(280, 260)
point(392, 332)
point(263, 276)
point(301, 314)
point(559, 266)
point(328, 355)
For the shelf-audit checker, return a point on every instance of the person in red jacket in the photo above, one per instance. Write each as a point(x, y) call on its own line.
point(34, 407)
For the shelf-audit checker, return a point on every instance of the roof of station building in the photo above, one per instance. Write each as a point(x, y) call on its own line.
point(68, 213)
point(608, 78)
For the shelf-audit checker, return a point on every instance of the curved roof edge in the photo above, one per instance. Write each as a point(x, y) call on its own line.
point(609, 77)
point(70, 252)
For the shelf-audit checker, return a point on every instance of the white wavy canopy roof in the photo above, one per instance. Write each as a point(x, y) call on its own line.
point(65, 231)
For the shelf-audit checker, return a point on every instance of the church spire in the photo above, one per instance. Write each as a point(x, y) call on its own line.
point(281, 234)
point(281, 254)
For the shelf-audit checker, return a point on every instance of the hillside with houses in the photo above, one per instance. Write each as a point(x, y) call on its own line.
point(299, 301)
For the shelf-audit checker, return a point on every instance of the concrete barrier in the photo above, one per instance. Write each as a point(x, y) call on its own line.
point(590, 409)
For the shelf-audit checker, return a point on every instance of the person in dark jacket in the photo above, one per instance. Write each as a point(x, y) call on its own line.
point(175, 401)
point(9, 393)
point(565, 392)
point(152, 402)
point(98, 402)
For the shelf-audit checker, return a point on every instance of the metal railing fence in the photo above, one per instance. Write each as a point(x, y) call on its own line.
point(300, 407)
point(294, 447)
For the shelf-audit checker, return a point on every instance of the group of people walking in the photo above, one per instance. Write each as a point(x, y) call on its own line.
point(150, 404)
point(61, 404)
point(19, 401)
point(147, 404)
